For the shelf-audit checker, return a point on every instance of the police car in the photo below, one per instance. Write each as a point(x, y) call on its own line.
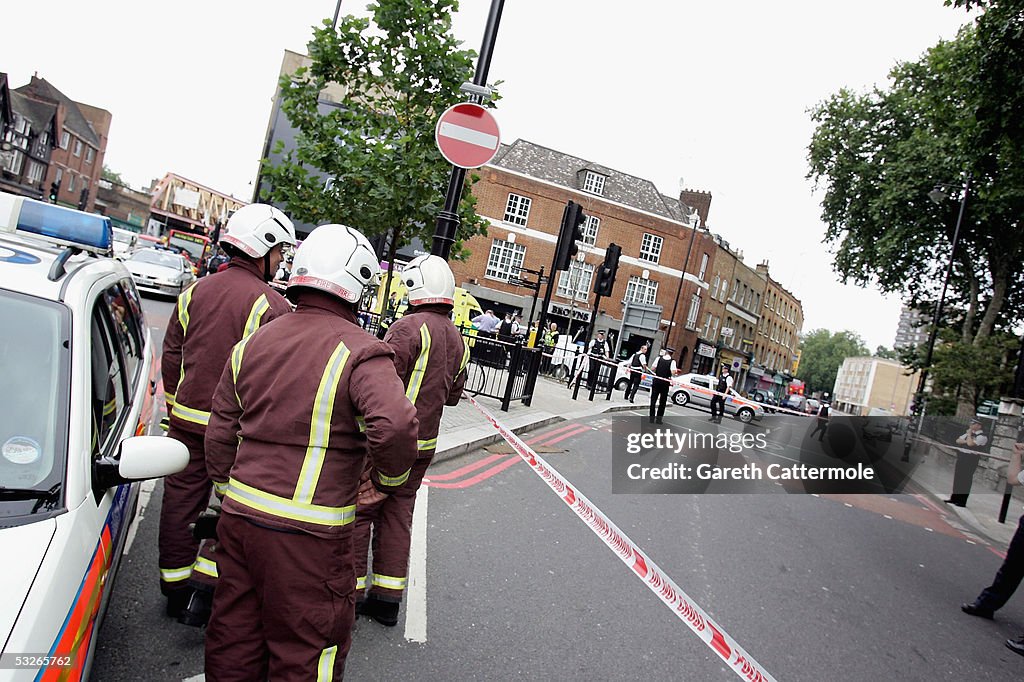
point(77, 379)
point(697, 389)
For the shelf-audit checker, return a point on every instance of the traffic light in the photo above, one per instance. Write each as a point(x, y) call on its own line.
point(606, 273)
point(54, 191)
point(569, 233)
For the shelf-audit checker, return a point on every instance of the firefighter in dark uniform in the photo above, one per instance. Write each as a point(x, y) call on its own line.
point(664, 368)
point(430, 358)
point(209, 319)
point(303, 404)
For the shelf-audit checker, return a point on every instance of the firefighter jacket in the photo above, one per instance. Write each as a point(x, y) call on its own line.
point(431, 358)
point(210, 318)
point(300, 405)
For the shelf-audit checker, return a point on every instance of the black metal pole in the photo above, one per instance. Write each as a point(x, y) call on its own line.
point(337, 11)
point(679, 290)
point(533, 307)
point(922, 380)
point(448, 218)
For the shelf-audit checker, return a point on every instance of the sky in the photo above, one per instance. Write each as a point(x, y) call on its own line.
point(710, 96)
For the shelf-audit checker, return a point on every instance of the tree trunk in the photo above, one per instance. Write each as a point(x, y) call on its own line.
point(967, 331)
point(1000, 282)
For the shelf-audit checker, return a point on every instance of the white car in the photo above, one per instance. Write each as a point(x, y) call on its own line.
point(125, 241)
point(698, 389)
point(77, 382)
point(160, 271)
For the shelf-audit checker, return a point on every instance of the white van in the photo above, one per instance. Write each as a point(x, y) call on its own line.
point(125, 242)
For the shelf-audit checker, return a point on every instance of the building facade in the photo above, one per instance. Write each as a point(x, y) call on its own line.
point(522, 194)
point(776, 345)
point(863, 383)
point(127, 208)
point(177, 203)
point(912, 329)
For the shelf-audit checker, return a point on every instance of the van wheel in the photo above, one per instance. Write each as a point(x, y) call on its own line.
point(560, 372)
point(745, 415)
point(621, 384)
point(680, 398)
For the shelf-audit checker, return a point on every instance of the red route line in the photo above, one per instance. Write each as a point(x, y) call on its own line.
point(482, 476)
point(464, 470)
point(560, 429)
point(583, 427)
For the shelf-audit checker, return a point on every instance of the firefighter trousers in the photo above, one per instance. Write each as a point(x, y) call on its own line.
point(186, 496)
point(284, 605)
point(390, 524)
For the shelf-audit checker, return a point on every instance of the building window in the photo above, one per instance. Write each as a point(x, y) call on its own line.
point(14, 162)
point(640, 290)
point(691, 318)
point(575, 282)
point(78, 148)
point(65, 138)
point(590, 229)
point(593, 183)
point(517, 210)
point(71, 182)
point(714, 330)
point(703, 267)
point(505, 260)
point(714, 287)
point(88, 154)
point(35, 171)
point(650, 248)
point(707, 325)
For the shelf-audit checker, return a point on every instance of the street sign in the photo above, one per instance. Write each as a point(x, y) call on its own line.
point(726, 331)
point(467, 135)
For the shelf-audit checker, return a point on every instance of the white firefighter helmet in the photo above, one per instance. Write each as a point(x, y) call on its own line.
point(335, 259)
point(257, 228)
point(429, 280)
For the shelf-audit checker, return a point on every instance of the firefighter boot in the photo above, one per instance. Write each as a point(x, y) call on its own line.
point(384, 612)
point(197, 612)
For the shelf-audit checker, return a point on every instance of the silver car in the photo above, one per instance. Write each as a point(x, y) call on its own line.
point(697, 389)
point(159, 271)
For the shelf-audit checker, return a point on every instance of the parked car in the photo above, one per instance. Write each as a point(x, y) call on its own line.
point(696, 389)
point(811, 406)
point(160, 271)
point(72, 450)
point(125, 242)
point(794, 402)
point(767, 400)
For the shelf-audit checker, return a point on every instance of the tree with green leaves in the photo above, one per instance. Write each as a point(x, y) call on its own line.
point(886, 353)
point(822, 354)
point(112, 176)
point(957, 112)
point(370, 161)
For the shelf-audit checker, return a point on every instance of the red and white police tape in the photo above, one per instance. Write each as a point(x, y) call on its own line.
point(631, 555)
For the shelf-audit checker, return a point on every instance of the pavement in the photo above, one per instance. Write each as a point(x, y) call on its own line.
point(464, 429)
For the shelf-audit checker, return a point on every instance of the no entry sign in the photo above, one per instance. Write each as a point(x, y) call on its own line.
point(467, 135)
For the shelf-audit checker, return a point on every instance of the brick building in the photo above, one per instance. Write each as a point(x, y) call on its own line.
point(778, 336)
point(127, 208)
point(522, 193)
point(78, 146)
point(29, 137)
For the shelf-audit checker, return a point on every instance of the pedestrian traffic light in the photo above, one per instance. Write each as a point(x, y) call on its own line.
point(606, 273)
point(569, 233)
point(54, 191)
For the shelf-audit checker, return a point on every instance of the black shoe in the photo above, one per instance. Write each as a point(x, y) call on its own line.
point(658, 420)
point(197, 612)
point(177, 601)
point(973, 609)
point(1016, 645)
point(384, 612)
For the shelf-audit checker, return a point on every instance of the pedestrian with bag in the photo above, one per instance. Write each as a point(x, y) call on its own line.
point(209, 318)
point(430, 359)
point(302, 408)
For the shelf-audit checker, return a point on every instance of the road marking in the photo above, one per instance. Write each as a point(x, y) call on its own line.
point(201, 677)
point(416, 592)
point(570, 434)
point(464, 470)
point(482, 476)
point(145, 492)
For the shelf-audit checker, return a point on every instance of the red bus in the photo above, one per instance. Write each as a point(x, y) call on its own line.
point(197, 245)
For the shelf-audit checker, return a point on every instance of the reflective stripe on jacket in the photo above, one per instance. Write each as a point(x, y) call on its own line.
point(210, 317)
point(431, 358)
point(301, 404)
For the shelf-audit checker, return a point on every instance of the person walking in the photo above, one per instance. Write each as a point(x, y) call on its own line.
point(1010, 574)
point(823, 417)
point(722, 388)
point(209, 318)
point(430, 359)
point(303, 405)
point(974, 441)
point(637, 368)
point(663, 369)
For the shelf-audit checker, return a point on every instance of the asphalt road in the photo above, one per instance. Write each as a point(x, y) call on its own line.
point(514, 585)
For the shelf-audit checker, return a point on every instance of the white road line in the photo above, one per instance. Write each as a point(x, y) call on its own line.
point(145, 491)
point(416, 592)
point(201, 677)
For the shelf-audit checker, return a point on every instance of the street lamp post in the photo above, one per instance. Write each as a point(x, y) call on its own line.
point(694, 221)
point(937, 195)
